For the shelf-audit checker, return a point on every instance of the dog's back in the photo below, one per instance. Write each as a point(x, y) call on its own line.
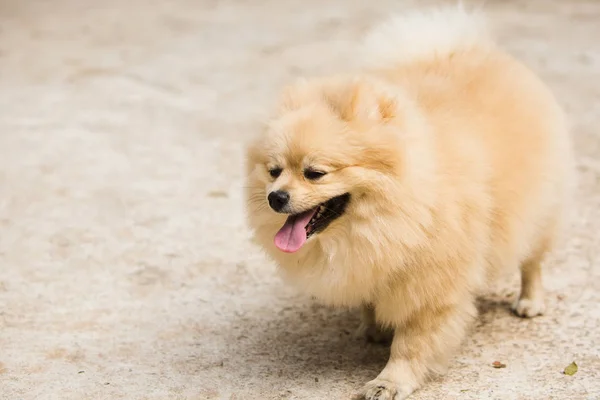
point(487, 110)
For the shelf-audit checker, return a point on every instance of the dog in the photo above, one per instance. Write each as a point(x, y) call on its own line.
point(407, 187)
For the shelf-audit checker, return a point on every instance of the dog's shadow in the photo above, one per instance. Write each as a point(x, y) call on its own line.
point(298, 345)
point(311, 342)
point(491, 306)
point(314, 342)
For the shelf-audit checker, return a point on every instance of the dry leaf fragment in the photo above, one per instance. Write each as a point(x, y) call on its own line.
point(498, 364)
point(571, 369)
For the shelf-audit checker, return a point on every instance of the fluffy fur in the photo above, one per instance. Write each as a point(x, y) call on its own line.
point(458, 163)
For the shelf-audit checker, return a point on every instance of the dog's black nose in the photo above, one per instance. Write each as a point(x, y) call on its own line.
point(278, 200)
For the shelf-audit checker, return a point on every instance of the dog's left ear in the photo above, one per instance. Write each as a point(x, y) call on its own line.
point(361, 100)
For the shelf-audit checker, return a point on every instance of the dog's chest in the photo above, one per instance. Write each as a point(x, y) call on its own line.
point(341, 279)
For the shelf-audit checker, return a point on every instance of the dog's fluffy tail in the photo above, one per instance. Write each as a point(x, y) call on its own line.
point(419, 35)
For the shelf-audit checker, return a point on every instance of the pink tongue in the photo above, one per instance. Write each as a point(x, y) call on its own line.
point(292, 235)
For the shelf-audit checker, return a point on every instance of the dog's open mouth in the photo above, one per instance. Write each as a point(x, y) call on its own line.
point(299, 227)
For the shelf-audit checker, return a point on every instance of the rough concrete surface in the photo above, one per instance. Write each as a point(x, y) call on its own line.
point(126, 269)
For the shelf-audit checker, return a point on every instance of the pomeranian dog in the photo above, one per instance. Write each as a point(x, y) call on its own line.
point(406, 187)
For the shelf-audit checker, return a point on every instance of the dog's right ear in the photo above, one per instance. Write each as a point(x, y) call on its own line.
point(295, 95)
point(362, 100)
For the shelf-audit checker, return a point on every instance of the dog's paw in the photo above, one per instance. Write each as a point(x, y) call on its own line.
point(379, 389)
point(529, 308)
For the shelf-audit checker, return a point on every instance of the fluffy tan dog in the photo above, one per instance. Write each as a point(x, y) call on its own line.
point(405, 188)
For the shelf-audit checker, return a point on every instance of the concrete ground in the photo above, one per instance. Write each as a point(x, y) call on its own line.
point(126, 270)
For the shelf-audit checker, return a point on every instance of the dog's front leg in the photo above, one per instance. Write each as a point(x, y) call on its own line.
point(371, 330)
point(420, 346)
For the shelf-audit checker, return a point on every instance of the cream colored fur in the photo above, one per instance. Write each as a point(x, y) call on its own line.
point(418, 34)
point(458, 162)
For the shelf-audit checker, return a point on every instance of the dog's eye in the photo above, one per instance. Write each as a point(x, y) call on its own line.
point(275, 172)
point(312, 175)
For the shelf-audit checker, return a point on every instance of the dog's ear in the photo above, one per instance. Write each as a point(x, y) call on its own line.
point(360, 100)
point(296, 95)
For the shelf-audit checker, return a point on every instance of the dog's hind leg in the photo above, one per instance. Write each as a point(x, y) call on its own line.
point(531, 299)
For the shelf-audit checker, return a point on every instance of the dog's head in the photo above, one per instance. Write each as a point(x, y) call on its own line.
point(333, 147)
